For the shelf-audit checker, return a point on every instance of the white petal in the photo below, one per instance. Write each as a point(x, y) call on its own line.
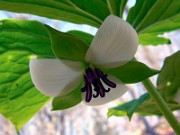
point(115, 43)
point(54, 77)
point(113, 94)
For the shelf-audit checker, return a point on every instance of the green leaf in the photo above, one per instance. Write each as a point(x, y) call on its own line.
point(19, 40)
point(19, 99)
point(151, 39)
point(168, 85)
point(149, 108)
point(144, 106)
point(116, 7)
point(132, 72)
point(25, 35)
point(128, 108)
point(66, 46)
point(69, 100)
point(91, 12)
point(153, 18)
point(84, 12)
point(169, 79)
point(82, 35)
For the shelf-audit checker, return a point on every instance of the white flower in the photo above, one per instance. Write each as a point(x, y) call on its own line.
point(114, 44)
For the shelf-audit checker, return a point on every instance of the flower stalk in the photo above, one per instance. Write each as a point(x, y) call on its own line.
point(161, 104)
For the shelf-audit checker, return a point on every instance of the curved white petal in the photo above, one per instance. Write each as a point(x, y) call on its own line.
point(54, 77)
point(113, 94)
point(115, 43)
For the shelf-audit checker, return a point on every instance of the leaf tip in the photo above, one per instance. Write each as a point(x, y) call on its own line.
point(109, 114)
point(129, 114)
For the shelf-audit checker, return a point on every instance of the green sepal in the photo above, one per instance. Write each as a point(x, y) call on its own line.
point(66, 46)
point(83, 35)
point(132, 72)
point(69, 100)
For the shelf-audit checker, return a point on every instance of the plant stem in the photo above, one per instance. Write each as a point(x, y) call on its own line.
point(163, 107)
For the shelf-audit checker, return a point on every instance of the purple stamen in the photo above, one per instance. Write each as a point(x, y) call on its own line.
point(99, 87)
point(88, 89)
point(94, 78)
point(103, 76)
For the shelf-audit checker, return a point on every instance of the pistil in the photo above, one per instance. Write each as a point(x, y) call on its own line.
point(95, 78)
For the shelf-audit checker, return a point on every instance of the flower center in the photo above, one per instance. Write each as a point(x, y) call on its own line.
point(95, 78)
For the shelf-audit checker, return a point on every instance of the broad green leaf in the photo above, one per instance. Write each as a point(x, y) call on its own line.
point(132, 72)
point(25, 35)
point(66, 46)
point(84, 12)
point(154, 17)
point(19, 40)
point(82, 35)
point(19, 99)
point(169, 79)
point(69, 100)
point(91, 12)
point(127, 109)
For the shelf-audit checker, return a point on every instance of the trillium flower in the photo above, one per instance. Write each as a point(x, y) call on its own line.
point(114, 44)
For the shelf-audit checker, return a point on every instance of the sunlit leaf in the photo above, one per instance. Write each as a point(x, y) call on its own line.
point(19, 40)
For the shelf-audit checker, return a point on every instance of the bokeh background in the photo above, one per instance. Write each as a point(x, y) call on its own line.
point(85, 120)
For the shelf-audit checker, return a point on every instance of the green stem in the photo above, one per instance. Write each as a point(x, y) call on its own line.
point(163, 107)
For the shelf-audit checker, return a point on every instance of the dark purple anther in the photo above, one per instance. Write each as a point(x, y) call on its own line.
point(103, 76)
point(93, 78)
point(88, 89)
